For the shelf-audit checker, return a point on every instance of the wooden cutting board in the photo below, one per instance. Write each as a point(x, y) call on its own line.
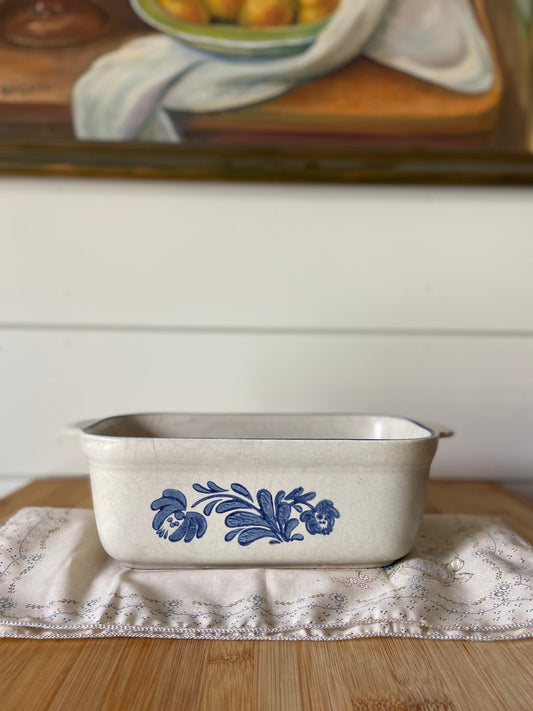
point(362, 98)
point(379, 674)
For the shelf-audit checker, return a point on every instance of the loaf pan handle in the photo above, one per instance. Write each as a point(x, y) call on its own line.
point(440, 430)
point(77, 427)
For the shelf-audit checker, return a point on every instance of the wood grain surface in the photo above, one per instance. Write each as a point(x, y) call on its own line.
point(378, 674)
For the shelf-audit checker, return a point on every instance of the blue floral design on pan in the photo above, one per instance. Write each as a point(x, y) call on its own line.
point(172, 522)
point(273, 517)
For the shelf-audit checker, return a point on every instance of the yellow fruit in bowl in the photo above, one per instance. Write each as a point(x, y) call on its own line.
point(267, 13)
point(313, 10)
point(187, 10)
point(250, 13)
point(225, 10)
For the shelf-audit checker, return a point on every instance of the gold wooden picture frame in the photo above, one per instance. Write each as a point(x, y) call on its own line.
point(120, 88)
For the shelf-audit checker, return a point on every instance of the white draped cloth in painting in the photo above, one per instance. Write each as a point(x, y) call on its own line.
point(131, 93)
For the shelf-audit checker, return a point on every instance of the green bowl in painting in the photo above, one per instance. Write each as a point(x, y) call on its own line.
point(231, 39)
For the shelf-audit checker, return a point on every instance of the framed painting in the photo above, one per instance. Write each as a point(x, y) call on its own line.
point(293, 90)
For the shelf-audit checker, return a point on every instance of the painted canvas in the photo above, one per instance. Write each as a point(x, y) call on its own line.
point(318, 89)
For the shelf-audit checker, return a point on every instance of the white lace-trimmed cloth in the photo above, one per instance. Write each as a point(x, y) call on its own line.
point(467, 577)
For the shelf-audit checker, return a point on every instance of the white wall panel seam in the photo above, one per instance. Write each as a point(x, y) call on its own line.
point(266, 330)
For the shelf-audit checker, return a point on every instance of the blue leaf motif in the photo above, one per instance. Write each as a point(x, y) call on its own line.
point(214, 487)
point(201, 489)
point(284, 513)
point(209, 507)
point(242, 490)
point(231, 535)
point(264, 499)
point(244, 518)
point(291, 525)
point(231, 505)
point(295, 492)
point(307, 497)
point(279, 498)
point(298, 497)
point(253, 534)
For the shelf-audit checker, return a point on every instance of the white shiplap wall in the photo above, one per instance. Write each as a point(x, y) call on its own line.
point(132, 296)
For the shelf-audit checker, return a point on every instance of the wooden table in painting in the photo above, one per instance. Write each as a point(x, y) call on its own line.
point(362, 104)
point(378, 674)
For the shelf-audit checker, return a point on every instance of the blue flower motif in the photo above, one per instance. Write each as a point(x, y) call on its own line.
point(173, 522)
point(321, 518)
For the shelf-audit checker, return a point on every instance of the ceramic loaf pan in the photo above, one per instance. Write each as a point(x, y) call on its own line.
point(204, 490)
